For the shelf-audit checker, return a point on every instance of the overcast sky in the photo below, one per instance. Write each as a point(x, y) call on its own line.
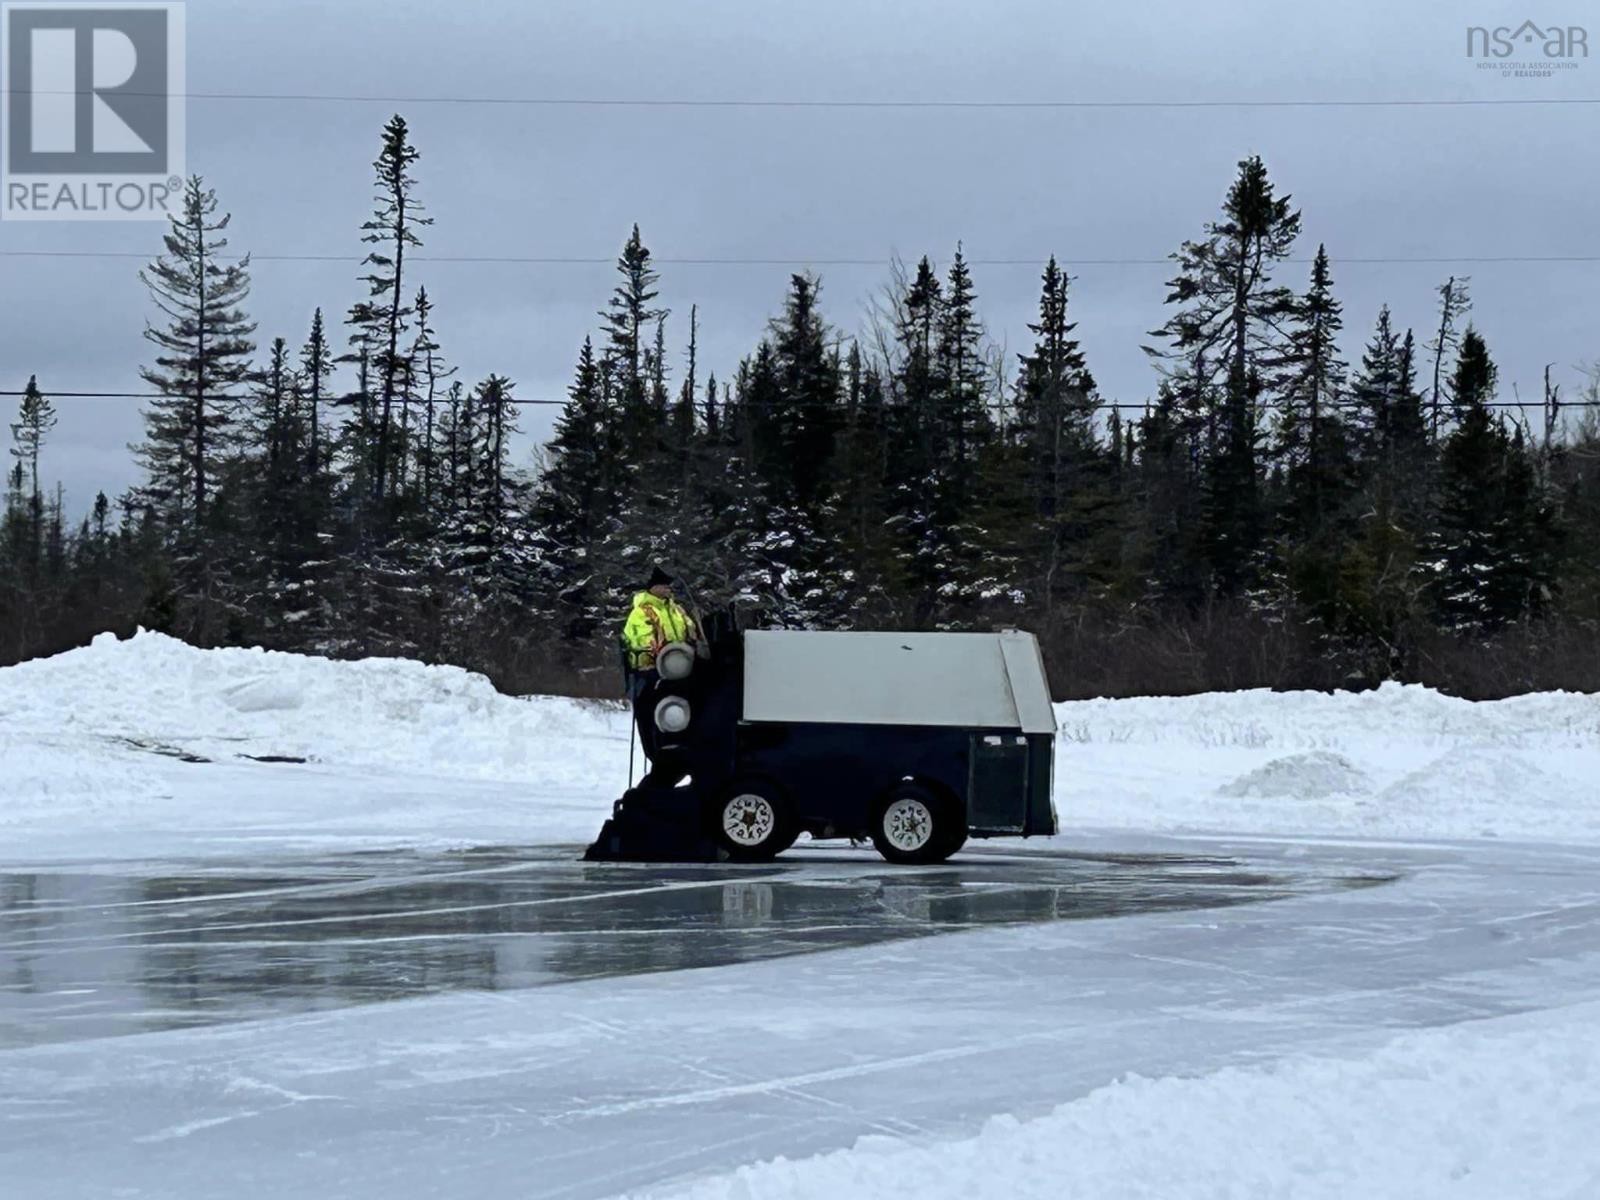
point(815, 184)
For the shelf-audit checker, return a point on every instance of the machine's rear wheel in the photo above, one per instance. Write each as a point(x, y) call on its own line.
point(912, 826)
point(753, 822)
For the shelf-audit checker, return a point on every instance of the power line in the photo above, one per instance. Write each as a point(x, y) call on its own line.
point(685, 102)
point(698, 261)
point(1100, 405)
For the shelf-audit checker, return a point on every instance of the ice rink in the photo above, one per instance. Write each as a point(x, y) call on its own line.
point(553, 1029)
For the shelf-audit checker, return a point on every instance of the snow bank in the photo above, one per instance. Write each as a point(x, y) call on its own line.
point(162, 695)
point(1470, 1112)
point(106, 739)
point(1399, 761)
point(150, 747)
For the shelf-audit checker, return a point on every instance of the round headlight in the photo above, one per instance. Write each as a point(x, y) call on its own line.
point(672, 715)
point(675, 661)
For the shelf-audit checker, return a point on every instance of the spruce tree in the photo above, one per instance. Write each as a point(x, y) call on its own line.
point(1226, 326)
point(192, 430)
point(36, 417)
point(630, 313)
point(963, 374)
point(487, 548)
point(1314, 454)
point(574, 507)
point(202, 359)
point(316, 370)
point(282, 512)
point(381, 321)
point(916, 434)
point(1454, 304)
point(1490, 550)
point(1054, 428)
point(432, 374)
point(793, 414)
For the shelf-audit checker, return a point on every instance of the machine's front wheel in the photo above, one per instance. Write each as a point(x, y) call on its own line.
point(912, 826)
point(753, 822)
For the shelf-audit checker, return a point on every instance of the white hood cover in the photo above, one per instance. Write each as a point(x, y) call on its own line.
point(971, 680)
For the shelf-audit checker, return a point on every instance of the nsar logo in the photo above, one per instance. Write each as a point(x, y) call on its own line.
point(1540, 49)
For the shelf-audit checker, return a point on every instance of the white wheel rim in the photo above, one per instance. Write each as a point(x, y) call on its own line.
point(908, 825)
point(748, 819)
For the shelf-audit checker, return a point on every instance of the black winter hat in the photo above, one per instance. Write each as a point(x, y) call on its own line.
point(659, 577)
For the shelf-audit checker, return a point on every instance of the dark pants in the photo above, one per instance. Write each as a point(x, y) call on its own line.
point(644, 692)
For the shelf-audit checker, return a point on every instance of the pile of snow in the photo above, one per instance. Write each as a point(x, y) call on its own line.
point(1470, 1112)
point(1287, 721)
point(1312, 775)
point(42, 777)
point(150, 747)
point(1398, 761)
point(161, 694)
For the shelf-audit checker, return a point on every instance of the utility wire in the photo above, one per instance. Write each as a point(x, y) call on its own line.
point(1099, 405)
point(684, 102)
point(555, 260)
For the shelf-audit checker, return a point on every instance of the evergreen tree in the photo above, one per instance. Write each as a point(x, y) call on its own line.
point(916, 434)
point(283, 512)
point(1167, 493)
point(382, 320)
point(487, 546)
point(1226, 325)
point(432, 373)
point(36, 417)
point(574, 506)
point(1054, 428)
point(1492, 547)
point(1315, 455)
point(629, 314)
point(963, 411)
point(316, 369)
point(202, 358)
point(1454, 305)
point(192, 430)
point(793, 411)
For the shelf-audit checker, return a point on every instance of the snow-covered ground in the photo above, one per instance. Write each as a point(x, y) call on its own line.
point(1437, 1036)
point(1478, 1111)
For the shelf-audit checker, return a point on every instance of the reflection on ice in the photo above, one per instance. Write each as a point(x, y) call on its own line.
point(91, 953)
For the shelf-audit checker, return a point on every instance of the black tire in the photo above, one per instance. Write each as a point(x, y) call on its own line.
point(912, 826)
point(753, 821)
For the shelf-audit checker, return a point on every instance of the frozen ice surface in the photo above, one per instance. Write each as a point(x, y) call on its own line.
point(117, 948)
point(608, 1085)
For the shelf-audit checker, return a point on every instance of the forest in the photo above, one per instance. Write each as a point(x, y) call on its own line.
point(1294, 505)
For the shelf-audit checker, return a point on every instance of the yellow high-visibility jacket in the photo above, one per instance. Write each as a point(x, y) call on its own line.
point(652, 624)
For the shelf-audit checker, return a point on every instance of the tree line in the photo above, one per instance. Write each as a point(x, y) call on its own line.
point(1275, 513)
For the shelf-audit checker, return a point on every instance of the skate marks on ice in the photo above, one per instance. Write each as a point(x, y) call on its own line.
point(100, 950)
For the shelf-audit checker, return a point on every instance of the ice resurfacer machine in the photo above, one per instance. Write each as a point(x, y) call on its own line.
point(917, 741)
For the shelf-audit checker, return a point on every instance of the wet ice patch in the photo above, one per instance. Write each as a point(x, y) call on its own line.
point(1313, 775)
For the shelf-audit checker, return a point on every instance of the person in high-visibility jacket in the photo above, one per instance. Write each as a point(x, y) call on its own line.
point(655, 621)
